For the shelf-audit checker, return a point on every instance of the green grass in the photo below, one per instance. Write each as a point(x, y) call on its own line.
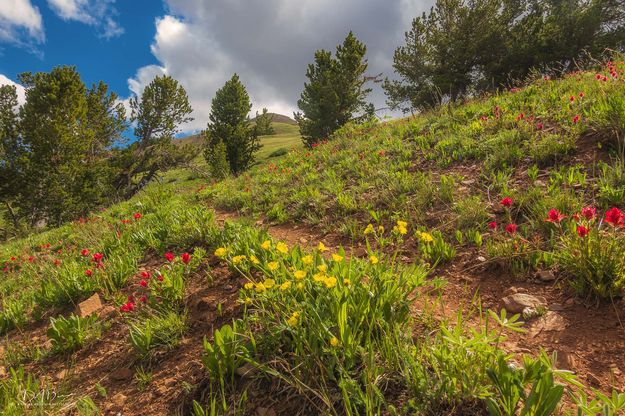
point(286, 137)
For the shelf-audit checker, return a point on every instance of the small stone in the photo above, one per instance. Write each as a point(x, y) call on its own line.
point(566, 361)
point(302, 240)
point(118, 400)
point(89, 306)
point(468, 181)
point(517, 302)
point(247, 370)
point(511, 291)
point(121, 374)
point(61, 374)
point(107, 312)
point(3, 372)
point(264, 411)
point(546, 276)
point(481, 259)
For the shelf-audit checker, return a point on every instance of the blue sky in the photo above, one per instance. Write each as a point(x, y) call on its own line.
point(201, 43)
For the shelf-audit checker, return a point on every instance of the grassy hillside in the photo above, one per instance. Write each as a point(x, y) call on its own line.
point(466, 261)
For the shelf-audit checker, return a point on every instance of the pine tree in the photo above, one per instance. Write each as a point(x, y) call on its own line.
point(263, 123)
point(217, 158)
point(335, 92)
point(9, 152)
point(228, 123)
point(158, 114)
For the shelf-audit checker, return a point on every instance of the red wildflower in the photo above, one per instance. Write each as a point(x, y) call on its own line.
point(539, 126)
point(506, 202)
point(582, 231)
point(31, 259)
point(576, 119)
point(520, 117)
point(159, 277)
point(143, 283)
point(186, 258)
point(143, 299)
point(138, 216)
point(125, 221)
point(598, 76)
point(145, 275)
point(582, 95)
point(554, 216)
point(170, 256)
point(84, 252)
point(492, 225)
point(57, 262)
point(575, 216)
point(13, 258)
point(572, 98)
point(88, 272)
point(97, 257)
point(511, 228)
point(589, 212)
point(614, 217)
point(128, 307)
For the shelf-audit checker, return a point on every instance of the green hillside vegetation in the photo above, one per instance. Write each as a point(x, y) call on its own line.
point(356, 303)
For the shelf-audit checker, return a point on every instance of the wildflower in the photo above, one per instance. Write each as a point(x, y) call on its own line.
point(589, 212)
point(321, 247)
point(285, 286)
point(368, 229)
point(319, 277)
point(138, 216)
point(294, 319)
point(299, 286)
point(330, 282)
point(572, 98)
point(373, 259)
point(84, 252)
point(143, 299)
point(511, 228)
point(492, 225)
point(613, 217)
point(186, 258)
point(380, 229)
point(97, 257)
point(57, 262)
point(506, 202)
point(334, 341)
point(401, 227)
point(426, 237)
point(576, 119)
point(273, 265)
point(143, 283)
point(260, 287)
point(337, 258)
point(539, 126)
point(88, 272)
point(598, 76)
point(220, 252)
point(128, 307)
point(248, 285)
point(238, 259)
point(31, 259)
point(254, 259)
point(169, 256)
point(322, 268)
point(269, 283)
point(554, 216)
point(582, 231)
point(159, 277)
point(266, 245)
point(520, 117)
point(247, 300)
point(582, 95)
point(282, 248)
point(307, 259)
point(347, 282)
point(575, 216)
point(299, 274)
point(145, 274)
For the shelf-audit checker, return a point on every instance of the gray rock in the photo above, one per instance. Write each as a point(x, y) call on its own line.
point(517, 302)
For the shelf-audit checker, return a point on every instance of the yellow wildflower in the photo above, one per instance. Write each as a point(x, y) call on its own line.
point(322, 268)
point(254, 259)
point(347, 282)
point(369, 229)
point(381, 229)
point(330, 282)
point(282, 248)
point(248, 300)
point(426, 237)
point(337, 258)
point(300, 274)
point(260, 287)
point(238, 259)
point(402, 224)
point(285, 286)
point(299, 286)
point(334, 342)
point(221, 251)
point(319, 277)
point(373, 259)
point(294, 319)
point(307, 259)
point(273, 265)
point(248, 285)
point(269, 283)
point(321, 247)
point(266, 245)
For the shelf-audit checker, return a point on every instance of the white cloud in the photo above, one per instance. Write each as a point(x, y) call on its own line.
point(269, 44)
point(96, 13)
point(20, 22)
point(21, 92)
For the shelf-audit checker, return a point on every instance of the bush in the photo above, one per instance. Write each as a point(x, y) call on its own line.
point(70, 334)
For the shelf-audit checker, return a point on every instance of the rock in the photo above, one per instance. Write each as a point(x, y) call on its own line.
point(468, 182)
point(118, 400)
point(481, 259)
point(61, 374)
point(546, 276)
point(517, 302)
point(302, 240)
point(511, 291)
point(89, 306)
point(558, 307)
point(566, 361)
point(549, 322)
point(121, 374)
point(264, 411)
point(247, 370)
point(3, 372)
point(615, 370)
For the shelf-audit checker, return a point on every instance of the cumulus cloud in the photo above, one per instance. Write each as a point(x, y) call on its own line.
point(20, 23)
point(269, 44)
point(21, 92)
point(97, 13)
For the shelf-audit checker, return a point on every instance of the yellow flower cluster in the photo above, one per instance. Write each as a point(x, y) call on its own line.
point(401, 227)
point(282, 248)
point(238, 259)
point(294, 319)
point(425, 237)
point(221, 251)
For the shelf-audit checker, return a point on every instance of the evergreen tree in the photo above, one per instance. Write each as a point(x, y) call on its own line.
point(9, 151)
point(263, 123)
point(217, 158)
point(335, 92)
point(228, 123)
point(158, 114)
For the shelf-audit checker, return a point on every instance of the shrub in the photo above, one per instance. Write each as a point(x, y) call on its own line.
point(70, 334)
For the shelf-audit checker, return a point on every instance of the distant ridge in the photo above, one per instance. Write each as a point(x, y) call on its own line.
point(280, 118)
